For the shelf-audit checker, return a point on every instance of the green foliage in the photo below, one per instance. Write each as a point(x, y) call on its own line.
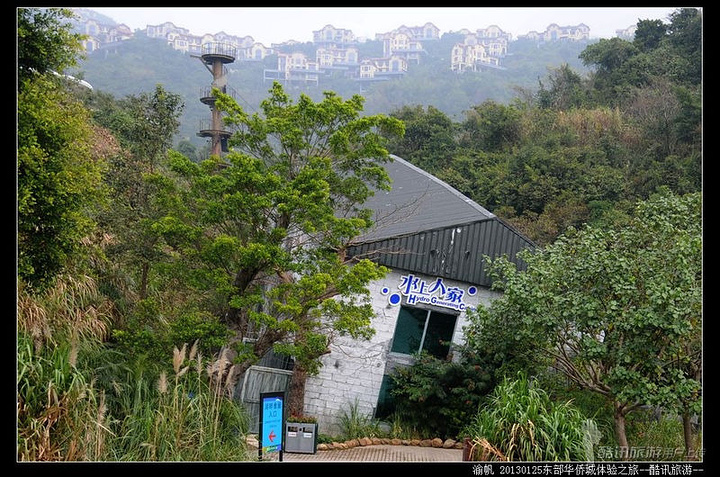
point(354, 424)
point(520, 423)
point(201, 327)
point(658, 435)
point(58, 174)
point(438, 397)
point(618, 310)
point(146, 333)
point(429, 139)
point(59, 180)
point(142, 190)
point(302, 419)
point(45, 41)
point(285, 202)
point(672, 51)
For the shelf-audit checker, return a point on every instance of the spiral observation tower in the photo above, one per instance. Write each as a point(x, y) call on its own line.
point(215, 55)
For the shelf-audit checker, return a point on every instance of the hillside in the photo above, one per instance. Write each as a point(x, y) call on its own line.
point(138, 64)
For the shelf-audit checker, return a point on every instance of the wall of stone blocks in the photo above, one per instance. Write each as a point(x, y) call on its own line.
point(352, 372)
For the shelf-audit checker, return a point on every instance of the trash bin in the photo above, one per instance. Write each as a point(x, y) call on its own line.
point(301, 437)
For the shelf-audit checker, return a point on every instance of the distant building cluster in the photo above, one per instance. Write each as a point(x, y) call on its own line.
point(100, 34)
point(555, 32)
point(626, 34)
point(337, 48)
point(337, 51)
point(483, 47)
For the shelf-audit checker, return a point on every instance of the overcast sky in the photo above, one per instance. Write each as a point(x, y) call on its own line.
point(278, 24)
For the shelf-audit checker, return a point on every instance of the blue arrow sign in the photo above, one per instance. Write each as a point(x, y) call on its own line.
point(271, 422)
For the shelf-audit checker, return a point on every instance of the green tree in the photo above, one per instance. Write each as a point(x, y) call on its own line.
point(567, 89)
point(274, 218)
point(612, 76)
point(429, 139)
point(617, 309)
point(45, 42)
point(649, 34)
point(490, 127)
point(58, 172)
point(144, 126)
point(685, 37)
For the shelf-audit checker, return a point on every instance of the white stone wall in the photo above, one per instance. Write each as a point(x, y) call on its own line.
point(352, 372)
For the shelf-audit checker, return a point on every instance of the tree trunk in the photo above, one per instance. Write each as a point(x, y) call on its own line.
point(687, 434)
point(296, 394)
point(620, 434)
point(145, 270)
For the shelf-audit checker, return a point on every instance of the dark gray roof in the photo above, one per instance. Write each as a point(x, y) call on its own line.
point(418, 201)
point(424, 225)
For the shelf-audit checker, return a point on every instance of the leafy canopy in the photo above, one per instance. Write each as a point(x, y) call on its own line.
point(273, 217)
point(616, 308)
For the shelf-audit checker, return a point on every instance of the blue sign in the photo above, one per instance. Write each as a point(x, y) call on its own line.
point(272, 422)
point(417, 291)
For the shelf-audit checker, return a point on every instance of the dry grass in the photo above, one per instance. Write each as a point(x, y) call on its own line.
point(72, 310)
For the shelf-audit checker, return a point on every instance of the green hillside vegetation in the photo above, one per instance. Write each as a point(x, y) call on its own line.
point(138, 64)
point(143, 264)
point(579, 146)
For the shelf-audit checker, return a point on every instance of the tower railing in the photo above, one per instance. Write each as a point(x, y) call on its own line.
point(207, 97)
point(216, 48)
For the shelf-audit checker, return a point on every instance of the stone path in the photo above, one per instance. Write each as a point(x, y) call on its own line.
point(379, 453)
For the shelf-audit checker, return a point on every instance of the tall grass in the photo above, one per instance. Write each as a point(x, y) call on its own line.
point(71, 310)
point(186, 418)
point(521, 423)
point(354, 424)
point(60, 414)
point(80, 400)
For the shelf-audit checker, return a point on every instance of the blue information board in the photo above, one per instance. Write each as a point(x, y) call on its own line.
point(272, 422)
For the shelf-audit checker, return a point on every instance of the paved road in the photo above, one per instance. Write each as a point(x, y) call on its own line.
point(379, 453)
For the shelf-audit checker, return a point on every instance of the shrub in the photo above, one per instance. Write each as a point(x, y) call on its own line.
point(438, 397)
point(520, 422)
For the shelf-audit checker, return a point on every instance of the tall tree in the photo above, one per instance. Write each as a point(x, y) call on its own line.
point(429, 139)
point(276, 215)
point(617, 309)
point(490, 127)
point(685, 37)
point(58, 174)
point(145, 126)
point(649, 34)
point(45, 42)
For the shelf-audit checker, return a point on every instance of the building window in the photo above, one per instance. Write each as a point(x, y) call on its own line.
point(418, 329)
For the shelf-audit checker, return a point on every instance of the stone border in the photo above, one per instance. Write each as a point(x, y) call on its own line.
point(369, 441)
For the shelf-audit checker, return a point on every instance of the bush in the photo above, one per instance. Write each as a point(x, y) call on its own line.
point(438, 397)
point(520, 422)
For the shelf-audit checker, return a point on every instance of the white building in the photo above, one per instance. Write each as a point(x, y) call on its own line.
point(432, 238)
